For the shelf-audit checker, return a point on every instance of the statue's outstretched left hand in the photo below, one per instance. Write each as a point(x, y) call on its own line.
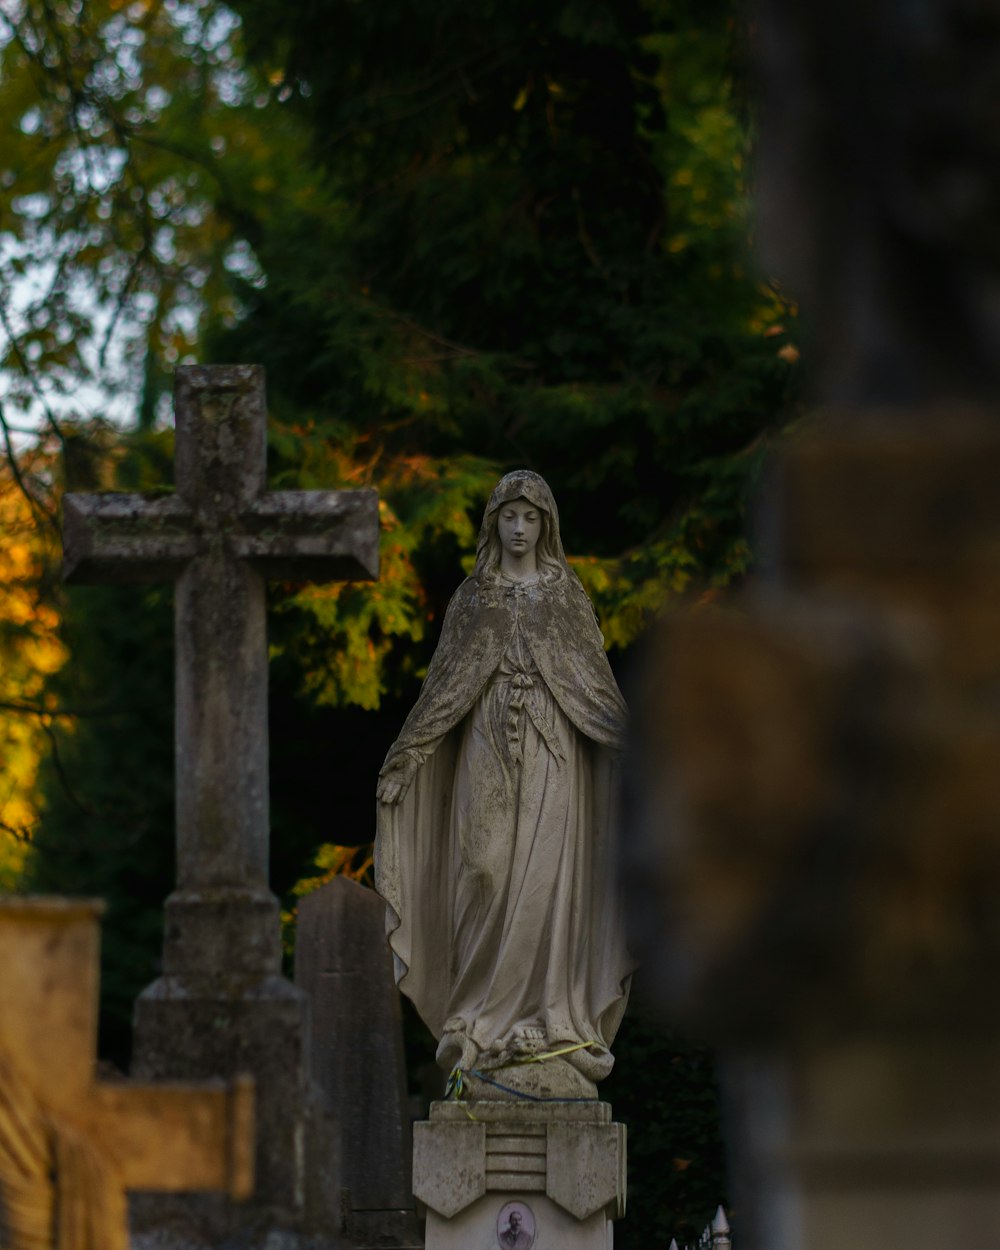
point(395, 780)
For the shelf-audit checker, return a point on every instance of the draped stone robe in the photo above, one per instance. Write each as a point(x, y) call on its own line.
point(502, 909)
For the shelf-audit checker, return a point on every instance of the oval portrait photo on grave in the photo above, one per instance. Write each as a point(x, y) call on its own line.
point(515, 1227)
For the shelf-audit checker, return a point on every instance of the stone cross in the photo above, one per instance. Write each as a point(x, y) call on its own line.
point(71, 1145)
point(222, 1005)
point(220, 535)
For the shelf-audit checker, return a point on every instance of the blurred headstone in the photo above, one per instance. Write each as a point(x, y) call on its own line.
point(344, 965)
point(72, 1145)
point(817, 863)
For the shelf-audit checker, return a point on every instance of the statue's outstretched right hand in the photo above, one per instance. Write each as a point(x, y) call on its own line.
point(395, 779)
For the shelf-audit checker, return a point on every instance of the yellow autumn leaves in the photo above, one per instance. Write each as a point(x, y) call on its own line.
point(30, 651)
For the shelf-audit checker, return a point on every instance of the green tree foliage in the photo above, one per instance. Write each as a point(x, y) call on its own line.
point(111, 247)
point(532, 236)
point(462, 236)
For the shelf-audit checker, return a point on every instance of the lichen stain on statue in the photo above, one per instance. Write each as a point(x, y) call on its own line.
point(496, 820)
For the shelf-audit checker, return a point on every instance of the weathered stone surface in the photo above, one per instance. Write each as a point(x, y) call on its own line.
point(497, 865)
point(510, 955)
point(449, 1165)
point(522, 1113)
point(163, 1137)
point(555, 1078)
point(586, 1168)
point(221, 1005)
point(566, 1161)
point(261, 1030)
point(476, 1227)
point(220, 534)
point(110, 538)
point(344, 966)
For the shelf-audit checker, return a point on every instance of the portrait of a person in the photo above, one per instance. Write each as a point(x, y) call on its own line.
point(515, 1228)
point(516, 1236)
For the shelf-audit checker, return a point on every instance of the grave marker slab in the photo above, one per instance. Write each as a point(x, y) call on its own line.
point(343, 962)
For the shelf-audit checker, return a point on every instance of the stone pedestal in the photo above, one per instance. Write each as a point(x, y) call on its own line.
point(191, 1032)
point(546, 1176)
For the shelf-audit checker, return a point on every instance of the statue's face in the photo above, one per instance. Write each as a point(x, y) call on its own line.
point(519, 525)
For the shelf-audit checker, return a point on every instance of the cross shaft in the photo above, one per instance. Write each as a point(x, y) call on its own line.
point(220, 536)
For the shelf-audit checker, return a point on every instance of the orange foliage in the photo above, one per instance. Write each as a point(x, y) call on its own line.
point(30, 650)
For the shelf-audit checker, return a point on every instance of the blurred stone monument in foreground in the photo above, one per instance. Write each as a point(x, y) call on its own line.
point(71, 1145)
point(820, 847)
point(222, 1005)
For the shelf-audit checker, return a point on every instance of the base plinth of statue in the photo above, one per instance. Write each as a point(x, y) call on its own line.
point(493, 1175)
point(553, 1080)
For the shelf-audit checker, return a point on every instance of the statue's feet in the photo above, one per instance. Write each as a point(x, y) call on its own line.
point(519, 1043)
point(527, 1040)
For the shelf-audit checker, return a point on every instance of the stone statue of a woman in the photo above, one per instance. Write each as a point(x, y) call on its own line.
point(496, 809)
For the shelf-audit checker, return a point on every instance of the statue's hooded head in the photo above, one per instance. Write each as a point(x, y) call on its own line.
point(522, 484)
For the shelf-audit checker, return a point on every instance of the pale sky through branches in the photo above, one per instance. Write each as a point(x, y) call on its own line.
point(110, 250)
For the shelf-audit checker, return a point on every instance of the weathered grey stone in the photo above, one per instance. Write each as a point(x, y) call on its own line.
point(193, 1035)
point(567, 1160)
point(221, 1006)
point(498, 816)
point(476, 1227)
point(449, 1165)
point(571, 1151)
point(586, 1168)
point(555, 1078)
point(520, 1113)
point(344, 966)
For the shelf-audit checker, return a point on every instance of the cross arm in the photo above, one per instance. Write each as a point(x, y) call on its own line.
point(125, 538)
point(328, 535)
point(179, 1137)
